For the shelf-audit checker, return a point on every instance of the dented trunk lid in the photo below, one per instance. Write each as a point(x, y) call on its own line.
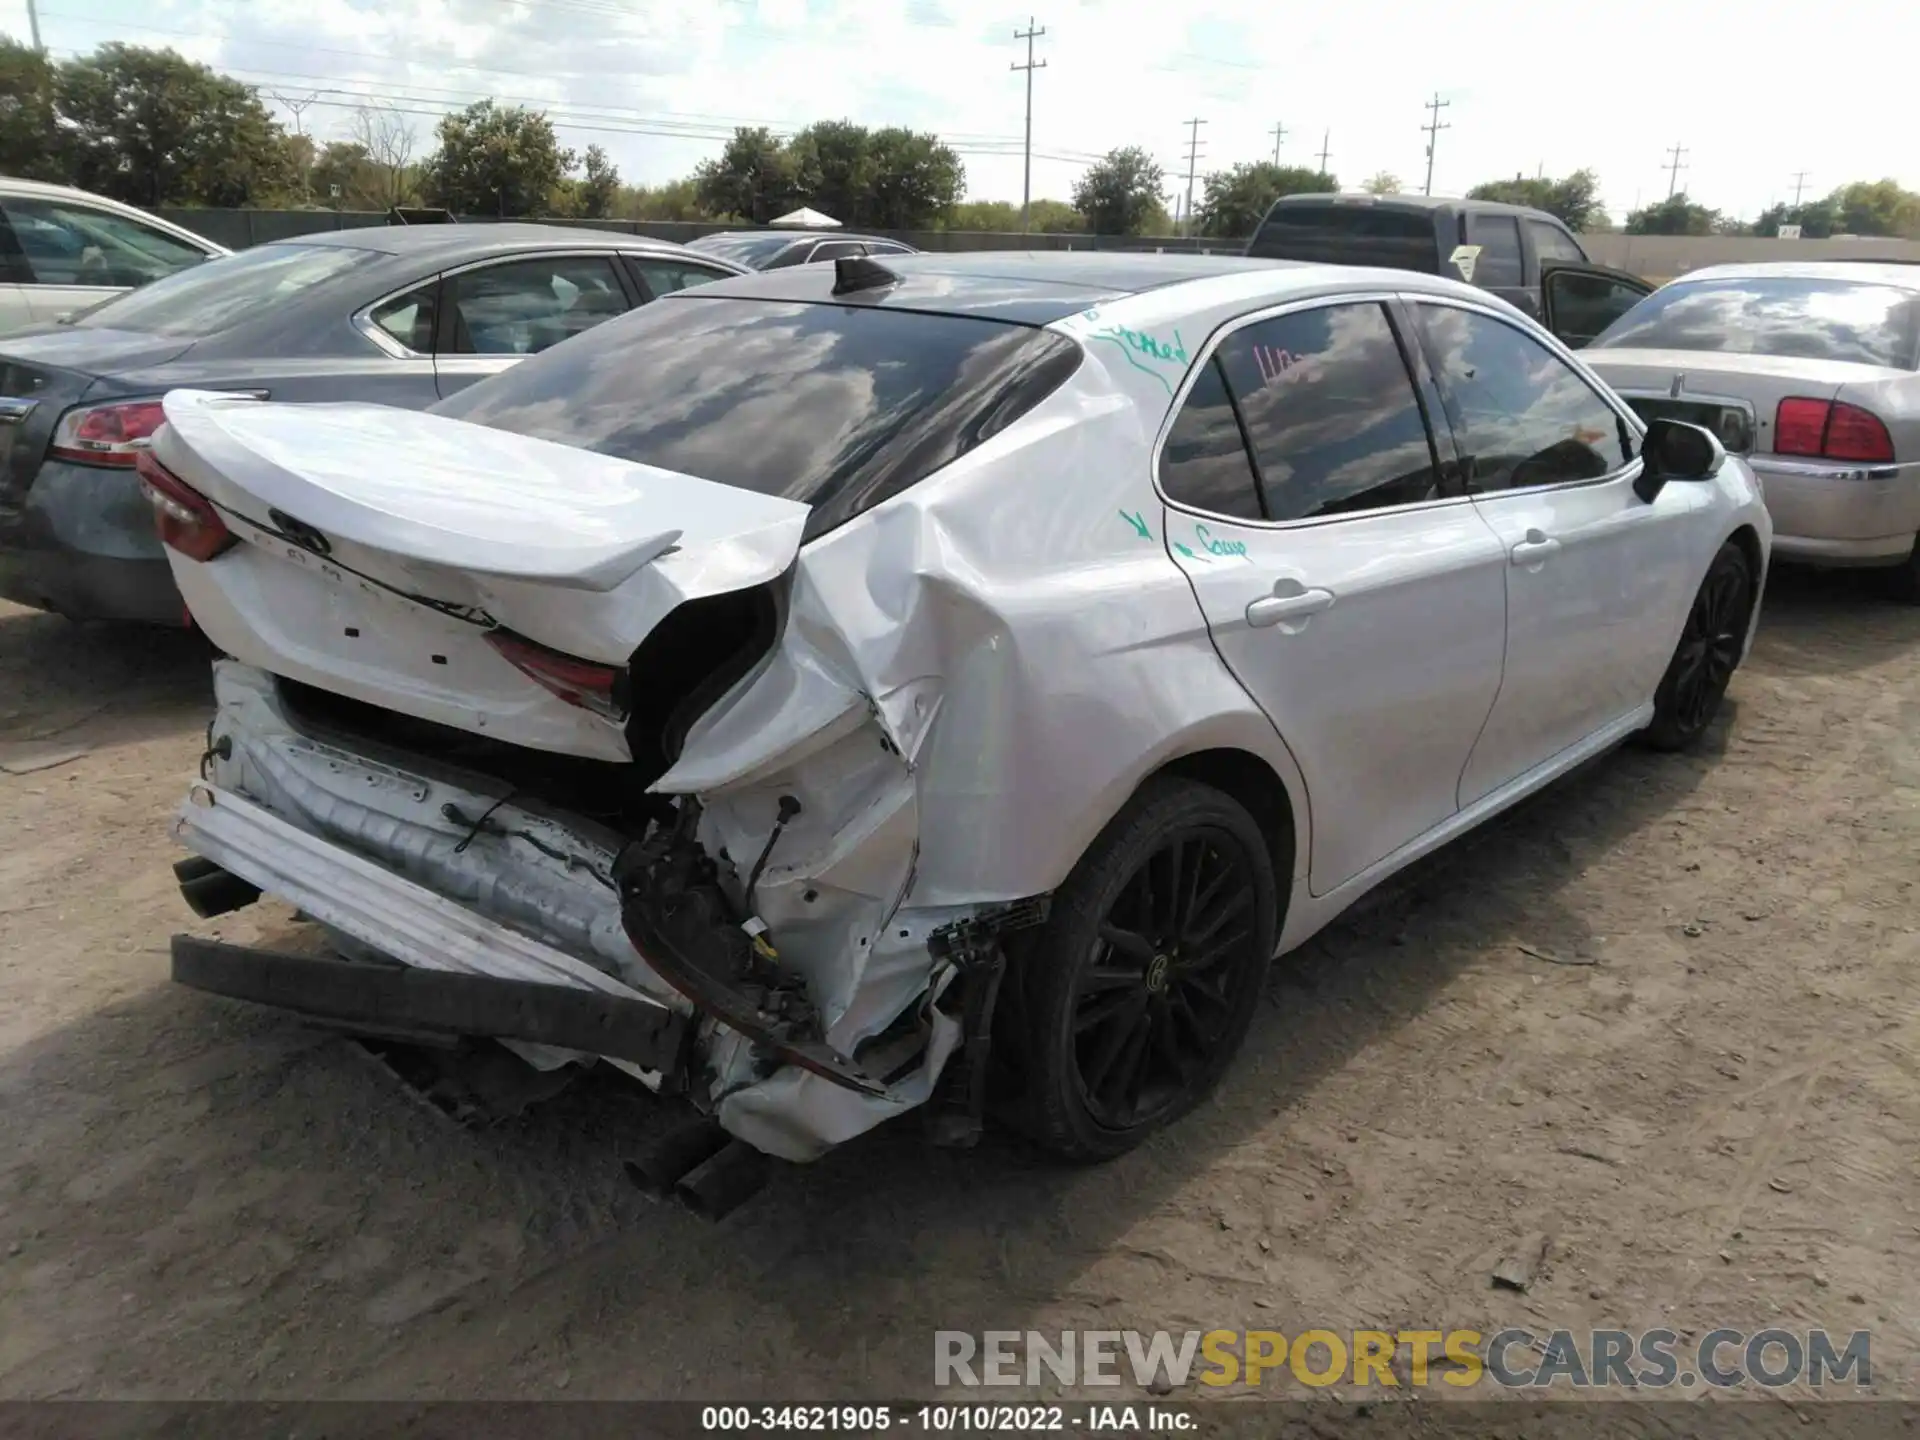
point(381, 546)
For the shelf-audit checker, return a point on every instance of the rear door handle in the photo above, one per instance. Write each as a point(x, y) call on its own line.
point(1272, 609)
point(1535, 549)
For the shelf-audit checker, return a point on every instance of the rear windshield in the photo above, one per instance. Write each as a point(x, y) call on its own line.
point(748, 250)
point(208, 298)
point(1349, 235)
point(1793, 318)
point(836, 406)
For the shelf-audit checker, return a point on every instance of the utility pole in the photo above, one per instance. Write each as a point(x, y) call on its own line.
point(1326, 139)
point(33, 25)
point(1279, 134)
point(1675, 164)
point(1433, 127)
point(1193, 160)
point(298, 105)
point(1030, 34)
point(1799, 183)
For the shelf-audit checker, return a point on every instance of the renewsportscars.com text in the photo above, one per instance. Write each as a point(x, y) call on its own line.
point(1511, 1358)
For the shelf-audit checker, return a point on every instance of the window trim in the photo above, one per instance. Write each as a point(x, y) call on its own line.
point(362, 319)
point(1601, 390)
point(1209, 348)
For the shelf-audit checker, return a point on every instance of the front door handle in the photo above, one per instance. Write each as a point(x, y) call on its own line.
point(1535, 549)
point(1293, 604)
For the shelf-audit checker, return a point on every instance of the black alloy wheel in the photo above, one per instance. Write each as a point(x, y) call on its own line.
point(1143, 983)
point(1710, 644)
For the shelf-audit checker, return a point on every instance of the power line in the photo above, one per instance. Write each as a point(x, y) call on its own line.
point(1193, 159)
point(298, 105)
point(1279, 134)
point(1433, 127)
point(1030, 34)
point(1673, 167)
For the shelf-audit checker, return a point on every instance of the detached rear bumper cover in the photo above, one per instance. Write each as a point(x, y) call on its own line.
point(369, 847)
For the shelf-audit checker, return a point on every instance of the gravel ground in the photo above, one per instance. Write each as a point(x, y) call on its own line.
point(1712, 1122)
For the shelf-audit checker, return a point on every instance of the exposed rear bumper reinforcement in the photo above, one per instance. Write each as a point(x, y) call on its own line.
point(439, 1001)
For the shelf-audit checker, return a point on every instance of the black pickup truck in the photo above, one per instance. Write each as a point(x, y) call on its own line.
point(1526, 257)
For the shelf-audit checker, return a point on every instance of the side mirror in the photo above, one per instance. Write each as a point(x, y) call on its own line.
point(1675, 450)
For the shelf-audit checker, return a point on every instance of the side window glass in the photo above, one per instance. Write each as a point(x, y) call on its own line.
point(409, 319)
point(1331, 412)
point(662, 277)
point(1204, 462)
point(1550, 242)
point(67, 244)
point(835, 250)
point(1498, 237)
point(524, 306)
point(1521, 416)
point(1582, 305)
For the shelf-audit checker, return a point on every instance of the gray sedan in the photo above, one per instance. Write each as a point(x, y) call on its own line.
point(1812, 371)
point(399, 315)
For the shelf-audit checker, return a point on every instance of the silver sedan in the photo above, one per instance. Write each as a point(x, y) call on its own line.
point(1812, 372)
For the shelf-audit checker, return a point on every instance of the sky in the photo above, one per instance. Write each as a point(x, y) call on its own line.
point(1545, 87)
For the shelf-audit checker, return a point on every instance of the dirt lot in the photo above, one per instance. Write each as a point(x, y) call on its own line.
point(1714, 1121)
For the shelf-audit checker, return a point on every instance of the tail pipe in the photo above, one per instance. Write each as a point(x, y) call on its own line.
point(702, 1167)
point(209, 890)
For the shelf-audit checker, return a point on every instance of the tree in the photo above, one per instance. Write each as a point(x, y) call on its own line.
point(986, 216)
point(1815, 219)
point(1384, 182)
point(833, 166)
point(496, 160)
point(29, 133)
point(345, 177)
point(387, 137)
point(676, 200)
point(916, 181)
point(1234, 202)
point(598, 187)
point(153, 128)
point(752, 180)
point(1057, 217)
point(1675, 216)
point(1119, 193)
point(1574, 200)
point(1875, 207)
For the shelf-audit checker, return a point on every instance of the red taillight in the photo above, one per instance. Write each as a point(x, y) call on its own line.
point(584, 683)
point(1798, 426)
point(114, 434)
point(1831, 430)
point(186, 520)
point(1855, 434)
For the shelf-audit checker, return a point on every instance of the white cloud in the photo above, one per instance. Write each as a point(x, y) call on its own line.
point(658, 82)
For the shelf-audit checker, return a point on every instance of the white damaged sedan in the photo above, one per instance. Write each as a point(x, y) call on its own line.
point(797, 687)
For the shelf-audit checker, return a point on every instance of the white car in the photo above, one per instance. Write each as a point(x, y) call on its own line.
point(62, 250)
point(737, 690)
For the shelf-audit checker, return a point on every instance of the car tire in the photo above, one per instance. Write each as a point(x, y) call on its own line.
point(1709, 651)
point(1901, 583)
point(1119, 1034)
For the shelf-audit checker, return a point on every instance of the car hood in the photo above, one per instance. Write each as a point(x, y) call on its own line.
point(92, 349)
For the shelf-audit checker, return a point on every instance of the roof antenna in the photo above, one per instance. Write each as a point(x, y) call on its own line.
point(853, 273)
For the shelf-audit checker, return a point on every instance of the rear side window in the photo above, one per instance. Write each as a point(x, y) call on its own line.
point(1550, 242)
point(526, 306)
point(836, 406)
point(1786, 316)
point(1349, 235)
point(1204, 462)
point(663, 277)
point(1498, 237)
point(409, 318)
point(1521, 415)
point(1330, 411)
point(210, 297)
